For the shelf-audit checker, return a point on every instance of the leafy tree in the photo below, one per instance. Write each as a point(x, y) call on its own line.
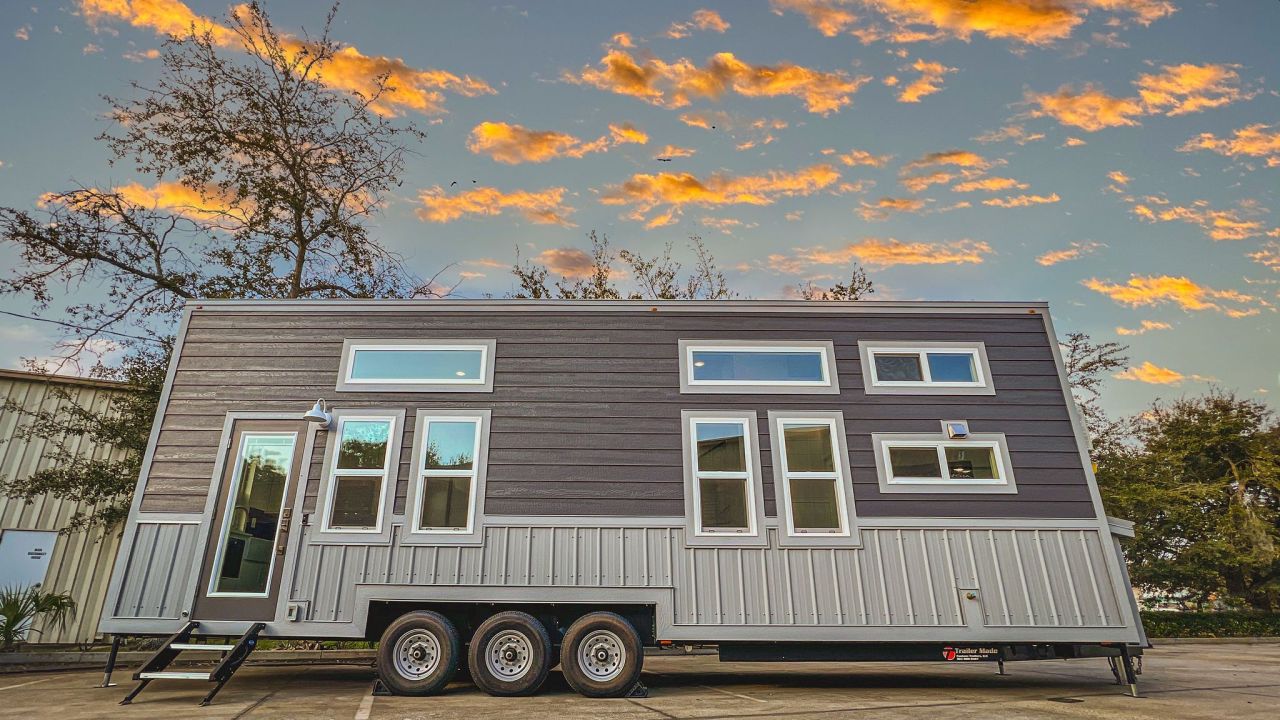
point(1203, 486)
point(262, 183)
point(1088, 364)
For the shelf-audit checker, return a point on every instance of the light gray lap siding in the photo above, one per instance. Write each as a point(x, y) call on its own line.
point(586, 405)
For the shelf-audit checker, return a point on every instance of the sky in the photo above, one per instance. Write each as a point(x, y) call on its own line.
point(1119, 159)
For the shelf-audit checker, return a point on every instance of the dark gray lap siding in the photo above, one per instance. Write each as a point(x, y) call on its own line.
point(586, 405)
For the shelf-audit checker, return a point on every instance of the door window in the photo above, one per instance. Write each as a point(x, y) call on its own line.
point(246, 549)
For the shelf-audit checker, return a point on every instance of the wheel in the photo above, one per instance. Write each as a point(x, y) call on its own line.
point(510, 654)
point(601, 655)
point(418, 654)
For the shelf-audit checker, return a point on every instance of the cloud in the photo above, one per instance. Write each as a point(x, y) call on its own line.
point(141, 55)
point(828, 17)
point(1176, 90)
point(674, 151)
point(91, 49)
point(1267, 256)
point(704, 19)
point(929, 82)
point(1022, 200)
point(569, 262)
point(206, 204)
point(1016, 133)
point(1030, 22)
point(1073, 142)
point(855, 158)
point(675, 85)
point(1257, 140)
point(409, 88)
point(1156, 290)
point(1119, 181)
point(726, 225)
point(886, 206)
point(1075, 252)
point(1153, 374)
point(989, 184)
point(23, 33)
point(882, 253)
point(514, 144)
point(623, 40)
point(1146, 327)
point(644, 193)
point(916, 183)
point(541, 207)
point(1217, 224)
point(957, 158)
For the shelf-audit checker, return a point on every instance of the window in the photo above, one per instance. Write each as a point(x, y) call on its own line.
point(246, 551)
point(358, 476)
point(923, 463)
point(925, 368)
point(447, 474)
point(417, 365)
point(722, 467)
point(801, 366)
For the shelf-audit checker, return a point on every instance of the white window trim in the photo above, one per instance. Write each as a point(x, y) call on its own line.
point(484, 383)
point(226, 516)
point(889, 483)
point(823, 348)
point(332, 472)
point(421, 473)
point(839, 475)
point(695, 534)
point(981, 385)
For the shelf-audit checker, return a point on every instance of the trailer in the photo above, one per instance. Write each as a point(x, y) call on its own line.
point(508, 486)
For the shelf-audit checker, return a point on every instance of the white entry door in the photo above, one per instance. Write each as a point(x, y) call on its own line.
point(24, 556)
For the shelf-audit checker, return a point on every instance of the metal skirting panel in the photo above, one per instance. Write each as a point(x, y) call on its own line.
point(899, 577)
point(160, 562)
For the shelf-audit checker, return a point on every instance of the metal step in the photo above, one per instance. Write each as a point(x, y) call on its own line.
point(173, 675)
point(201, 646)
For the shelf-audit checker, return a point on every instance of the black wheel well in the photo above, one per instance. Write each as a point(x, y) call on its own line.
point(466, 616)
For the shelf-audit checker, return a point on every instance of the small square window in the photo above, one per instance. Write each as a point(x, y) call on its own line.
point(724, 504)
point(355, 502)
point(952, 367)
point(446, 502)
point(898, 368)
point(971, 463)
point(908, 462)
point(919, 368)
point(915, 462)
point(815, 504)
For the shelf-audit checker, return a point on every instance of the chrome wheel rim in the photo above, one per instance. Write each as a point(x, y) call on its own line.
point(602, 656)
point(509, 655)
point(417, 654)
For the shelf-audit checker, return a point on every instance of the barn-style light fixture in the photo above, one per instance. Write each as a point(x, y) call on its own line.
point(319, 415)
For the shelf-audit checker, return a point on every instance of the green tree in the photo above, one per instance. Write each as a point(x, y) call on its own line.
point(262, 182)
point(1202, 483)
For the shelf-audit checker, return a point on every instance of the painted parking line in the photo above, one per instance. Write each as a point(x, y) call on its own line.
point(30, 682)
point(734, 694)
point(366, 706)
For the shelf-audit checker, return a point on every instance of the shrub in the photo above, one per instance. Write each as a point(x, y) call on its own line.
point(1163, 623)
point(20, 606)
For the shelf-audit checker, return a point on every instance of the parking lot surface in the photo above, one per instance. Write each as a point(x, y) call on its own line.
point(1181, 681)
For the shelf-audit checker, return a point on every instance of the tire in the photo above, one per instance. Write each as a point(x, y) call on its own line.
point(510, 654)
point(418, 654)
point(601, 655)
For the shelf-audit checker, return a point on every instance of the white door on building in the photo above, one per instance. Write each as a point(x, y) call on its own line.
point(24, 556)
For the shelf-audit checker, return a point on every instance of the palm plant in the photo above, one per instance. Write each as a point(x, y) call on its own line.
point(21, 605)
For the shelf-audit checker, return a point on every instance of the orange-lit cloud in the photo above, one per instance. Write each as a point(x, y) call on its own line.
point(1268, 255)
point(514, 144)
point(674, 151)
point(571, 263)
point(408, 88)
point(1022, 200)
point(1074, 252)
point(1016, 133)
point(1217, 224)
point(207, 204)
point(1146, 327)
point(957, 158)
point(541, 207)
point(1156, 290)
point(671, 192)
point(881, 253)
point(1257, 140)
point(916, 183)
point(886, 206)
point(989, 184)
point(1153, 374)
point(674, 85)
point(1073, 142)
point(929, 82)
point(854, 158)
point(1031, 22)
point(704, 19)
point(1176, 90)
point(726, 225)
point(829, 17)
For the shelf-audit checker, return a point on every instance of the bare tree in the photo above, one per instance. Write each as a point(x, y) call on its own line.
point(1087, 365)
point(858, 288)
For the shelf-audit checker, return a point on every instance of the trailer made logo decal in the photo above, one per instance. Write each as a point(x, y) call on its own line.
point(970, 654)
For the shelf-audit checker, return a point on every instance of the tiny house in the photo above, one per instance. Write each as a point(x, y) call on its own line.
point(513, 485)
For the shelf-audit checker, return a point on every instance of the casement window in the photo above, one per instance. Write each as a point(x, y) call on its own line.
point(360, 472)
point(720, 366)
point(811, 476)
point(723, 496)
point(978, 463)
point(416, 366)
point(923, 368)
